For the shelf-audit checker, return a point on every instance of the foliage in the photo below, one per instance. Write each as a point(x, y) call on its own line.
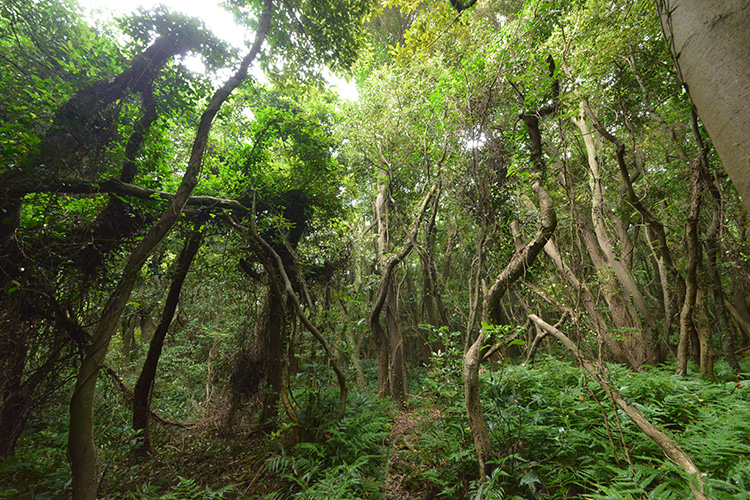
point(445, 98)
point(547, 423)
point(185, 489)
point(145, 25)
point(443, 380)
point(347, 462)
point(306, 35)
point(41, 470)
point(48, 53)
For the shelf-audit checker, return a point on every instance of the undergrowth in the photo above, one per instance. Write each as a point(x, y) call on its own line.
point(346, 462)
point(554, 432)
point(555, 435)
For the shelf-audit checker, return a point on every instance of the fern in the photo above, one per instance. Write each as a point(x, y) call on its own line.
point(185, 489)
point(347, 464)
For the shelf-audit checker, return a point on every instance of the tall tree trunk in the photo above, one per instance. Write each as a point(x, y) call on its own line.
point(81, 444)
point(269, 346)
point(380, 334)
point(608, 287)
point(597, 322)
point(144, 386)
point(709, 42)
point(641, 346)
point(522, 259)
point(391, 369)
point(691, 280)
point(712, 268)
point(263, 246)
point(432, 298)
point(705, 343)
point(664, 255)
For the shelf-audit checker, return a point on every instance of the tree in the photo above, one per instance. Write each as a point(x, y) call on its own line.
point(288, 173)
point(709, 44)
point(406, 153)
point(86, 125)
point(81, 444)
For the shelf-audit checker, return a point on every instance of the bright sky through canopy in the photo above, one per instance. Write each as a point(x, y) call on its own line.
point(217, 20)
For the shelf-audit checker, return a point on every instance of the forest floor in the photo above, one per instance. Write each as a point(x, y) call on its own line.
point(404, 431)
point(555, 437)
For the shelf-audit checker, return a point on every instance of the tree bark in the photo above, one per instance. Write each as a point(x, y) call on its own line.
point(664, 256)
point(709, 42)
point(705, 343)
point(269, 346)
point(81, 446)
point(432, 298)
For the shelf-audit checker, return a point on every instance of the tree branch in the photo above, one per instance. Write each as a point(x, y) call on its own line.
point(26, 186)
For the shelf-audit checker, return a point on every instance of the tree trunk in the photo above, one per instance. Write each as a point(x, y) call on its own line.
point(432, 298)
point(480, 433)
point(81, 445)
point(705, 343)
point(144, 386)
point(709, 42)
point(608, 287)
point(269, 348)
point(691, 280)
point(331, 353)
point(641, 346)
point(597, 322)
point(15, 400)
point(664, 256)
point(717, 289)
point(391, 369)
point(522, 259)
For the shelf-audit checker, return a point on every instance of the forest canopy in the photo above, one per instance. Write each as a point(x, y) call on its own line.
point(515, 266)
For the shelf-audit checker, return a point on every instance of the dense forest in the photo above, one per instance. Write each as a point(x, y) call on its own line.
point(515, 266)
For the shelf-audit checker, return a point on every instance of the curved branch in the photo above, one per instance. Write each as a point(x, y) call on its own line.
point(22, 187)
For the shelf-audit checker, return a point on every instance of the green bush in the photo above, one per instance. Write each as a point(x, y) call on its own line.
point(185, 489)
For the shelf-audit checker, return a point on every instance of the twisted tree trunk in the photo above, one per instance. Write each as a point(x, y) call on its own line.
point(522, 259)
point(691, 280)
point(389, 341)
point(81, 445)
